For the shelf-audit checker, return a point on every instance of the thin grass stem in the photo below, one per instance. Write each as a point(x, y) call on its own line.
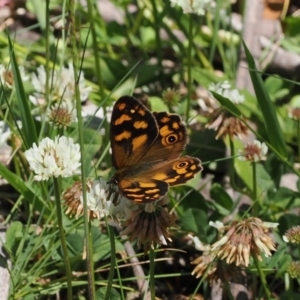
point(87, 225)
point(152, 273)
point(112, 261)
point(189, 68)
point(63, 238)
point(263, 279)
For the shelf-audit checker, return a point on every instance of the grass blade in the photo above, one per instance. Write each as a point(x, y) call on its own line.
point(267, 108)
point(28, 127)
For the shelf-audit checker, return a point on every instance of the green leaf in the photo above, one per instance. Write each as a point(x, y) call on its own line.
point(157, 104)
point(19, 185)
point(279, 259)
point(218, 194)
point(291, 26)
point(13, 236)
point(194, 220)
point(287, 221)
point(190, 198)
point(267, 108)
point(38, 8)
point(203, 144)
point(75, 243)
point(28, 127)
point(245, 172)
point(114, 295)
point(273, 85)
point(101, 245)
point(227, 104)
point(298, 185)
point(285, 198)
point(204, 76)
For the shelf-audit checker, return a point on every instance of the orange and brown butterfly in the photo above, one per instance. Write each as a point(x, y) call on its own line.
point(146, 149)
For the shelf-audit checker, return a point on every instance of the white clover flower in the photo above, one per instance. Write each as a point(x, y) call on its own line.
point(193, 6)
point(254, 152)
point(97, 201)
point(66, 83)
point(39, 80)
point(60, 157)
point(98, 205)
point(224, 89)
point(285, 238)
point(62, 84)
point(124, 208)
point(198, 244)
point(6, 76)
point(218, 225)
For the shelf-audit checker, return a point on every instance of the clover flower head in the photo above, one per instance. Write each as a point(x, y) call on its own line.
point(54, 158)
point(254, 152)
point(292, 235)
point(62, 85)
point(244, 239)
point(62, 114)
point(149, 225)
point(294, 113)
point(7, 78)
point(224, 89)
point(198, 7)
point(97, 203)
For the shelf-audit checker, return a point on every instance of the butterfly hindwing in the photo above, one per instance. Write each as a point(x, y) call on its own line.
point(154, 182)
point(171, 139)
point(177, 171)
point(143, 190)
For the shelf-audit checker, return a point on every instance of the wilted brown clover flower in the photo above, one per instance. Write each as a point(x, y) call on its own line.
point(149, 225)
point(210, 266)
point(97, 203)
point(244, 239)
point(292, 235)
point(206, 265)
point(225, 124)
point(62, 114)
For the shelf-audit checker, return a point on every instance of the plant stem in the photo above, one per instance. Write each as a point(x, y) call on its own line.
point(152, 277)
point(157, 26)
point(254, 193)
point(63, 238)
point(87, 225)
point(263, 278)
point(112, 261)
point(189, 70)
point(298, 135)
point(232, 173)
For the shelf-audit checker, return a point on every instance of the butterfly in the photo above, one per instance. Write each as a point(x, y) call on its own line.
point(146, 149)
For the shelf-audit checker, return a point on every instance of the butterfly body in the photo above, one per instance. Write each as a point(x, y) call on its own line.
point(145, 150)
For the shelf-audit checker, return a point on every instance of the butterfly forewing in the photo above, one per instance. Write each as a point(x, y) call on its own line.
point(133, 130)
